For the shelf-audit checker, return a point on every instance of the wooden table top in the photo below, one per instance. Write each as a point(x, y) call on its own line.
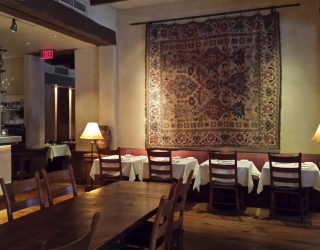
point(123, 207)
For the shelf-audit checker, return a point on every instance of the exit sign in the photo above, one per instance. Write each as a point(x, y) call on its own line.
point(47, 54)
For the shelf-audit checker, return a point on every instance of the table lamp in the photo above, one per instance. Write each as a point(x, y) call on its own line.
point(91, 132)
point(316, 137)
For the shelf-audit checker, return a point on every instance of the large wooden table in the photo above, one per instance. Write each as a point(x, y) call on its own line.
point(123, 207)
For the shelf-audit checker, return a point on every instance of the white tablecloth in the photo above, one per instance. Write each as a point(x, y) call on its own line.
point(310, 176)
point(131, 166)
point(245, 171)
point(180, 168)
point(58, 150)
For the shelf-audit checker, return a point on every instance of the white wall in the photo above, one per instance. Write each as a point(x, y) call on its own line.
point(300, 114)
point(105, 15)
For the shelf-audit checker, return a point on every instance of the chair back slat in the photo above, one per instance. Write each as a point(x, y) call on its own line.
point(285, 170)
point(223, 176)
point(62, 192)
point(159, 163)
point(285, 180)
point(106, 152)
point(156, 153)
point(17, 206)
point(162, 172)
point(110, 161)
point(222, 166)
point(19, 187)
point(177, 223)
point(110, 169)
point(226, 156)
point(58, 176)
point(274, 168)
point(221, 156)
point(53, 177)
point(84, 243)
point(160, 231)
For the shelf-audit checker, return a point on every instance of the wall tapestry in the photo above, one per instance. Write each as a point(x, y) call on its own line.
point(214, 84)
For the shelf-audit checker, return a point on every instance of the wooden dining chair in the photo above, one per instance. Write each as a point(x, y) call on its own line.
point(83, 243)
point(290, 176)
point(160, 227)
point(141, 236)
point(227, 181)
point(59, 178)
point(152, 153)
point(176, 233)
point(106, 178)
point(16, 187)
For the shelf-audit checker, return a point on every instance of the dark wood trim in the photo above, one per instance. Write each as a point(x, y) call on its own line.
point(54, 16)
point(99, 2)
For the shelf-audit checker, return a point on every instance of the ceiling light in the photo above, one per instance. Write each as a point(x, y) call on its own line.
point(27, 43)
point(14, 26)
point(55, 36)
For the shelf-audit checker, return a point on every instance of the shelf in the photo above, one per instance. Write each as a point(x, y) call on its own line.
point(2, 71)
point(13, 110)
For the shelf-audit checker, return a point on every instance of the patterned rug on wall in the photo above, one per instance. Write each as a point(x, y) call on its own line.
point(214, 84)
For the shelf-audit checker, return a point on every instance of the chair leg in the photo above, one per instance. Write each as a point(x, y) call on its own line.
point(301, 208)
point(307, 194)
point(237, 200)
point(271, 205)
point(21, 168)
point(242, 203)
point(210, 199)
point(179, 243)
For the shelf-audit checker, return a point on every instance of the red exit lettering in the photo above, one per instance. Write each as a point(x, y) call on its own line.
point(47, 54)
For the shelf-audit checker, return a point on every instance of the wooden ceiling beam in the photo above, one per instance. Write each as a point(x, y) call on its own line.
point(99, 2)
point(59, 18)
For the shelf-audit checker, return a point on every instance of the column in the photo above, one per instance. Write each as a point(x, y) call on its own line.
point(108, 91)
point(86, 93)
point(34, 101)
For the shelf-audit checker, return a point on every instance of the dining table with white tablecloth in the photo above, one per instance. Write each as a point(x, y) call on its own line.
point(181, 167)
point(58, 150)
point(310, 175)
point(245, 170)
point(131, 166)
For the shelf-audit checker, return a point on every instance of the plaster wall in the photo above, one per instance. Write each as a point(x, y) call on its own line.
point(34, 106)
point(86, 93)
point(13, 77)
point(108, 91)
point(300, 66)
point(105, 14)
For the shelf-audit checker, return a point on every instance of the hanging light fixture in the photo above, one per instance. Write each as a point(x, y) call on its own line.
point(14, 26)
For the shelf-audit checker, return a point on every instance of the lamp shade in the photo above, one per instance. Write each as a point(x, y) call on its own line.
point(316, 137)
point(91, 132)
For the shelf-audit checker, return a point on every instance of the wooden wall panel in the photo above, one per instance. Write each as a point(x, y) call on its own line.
point(63, 114)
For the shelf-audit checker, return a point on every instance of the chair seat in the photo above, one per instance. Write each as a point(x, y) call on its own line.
point(141, 236)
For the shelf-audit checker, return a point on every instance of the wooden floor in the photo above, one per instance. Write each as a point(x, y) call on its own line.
point(252, 231)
